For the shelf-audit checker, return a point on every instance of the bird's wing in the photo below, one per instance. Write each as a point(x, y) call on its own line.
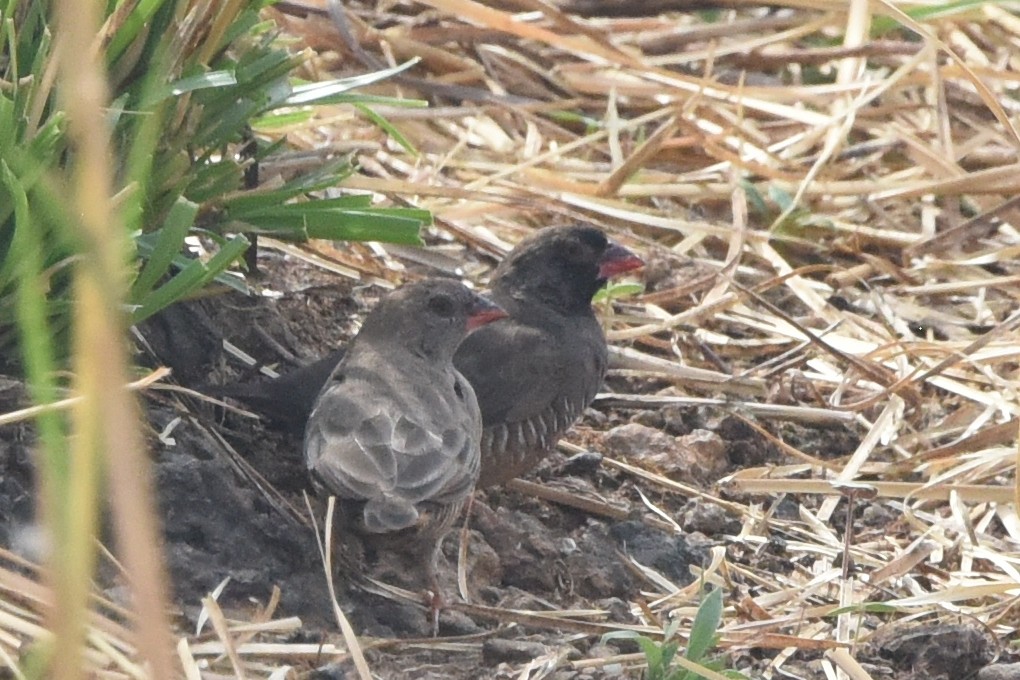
point(348, 446)
point(519, 371)
point(365, 444)
point(439, 466)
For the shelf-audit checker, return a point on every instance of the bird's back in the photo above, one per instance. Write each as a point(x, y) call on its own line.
point(396, 439)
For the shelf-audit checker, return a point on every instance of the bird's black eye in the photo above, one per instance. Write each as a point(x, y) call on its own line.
point(441, 306)
point(572, 250)
point(593, 239)
point(458, 390)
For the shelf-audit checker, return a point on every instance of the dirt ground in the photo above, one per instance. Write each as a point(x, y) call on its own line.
point(231, 497)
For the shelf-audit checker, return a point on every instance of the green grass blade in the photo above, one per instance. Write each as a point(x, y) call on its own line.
point(162, 246)
point(393, 225)
point(130, 30)
point(256, 202)
point(321, 93)
point(194, 275)
point(388, 128)
point(706, 624)
point(203, 81)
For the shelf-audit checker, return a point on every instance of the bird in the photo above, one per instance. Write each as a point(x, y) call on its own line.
point(534, 372)
point(394, 432)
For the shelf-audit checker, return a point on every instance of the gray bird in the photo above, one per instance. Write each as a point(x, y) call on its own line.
point(394, 433)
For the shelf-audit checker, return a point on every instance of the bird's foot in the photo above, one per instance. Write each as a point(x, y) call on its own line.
point(435, 602)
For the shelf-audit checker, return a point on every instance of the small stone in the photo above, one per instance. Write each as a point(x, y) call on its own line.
point(708, 518)
point(669, 554)
point(875, 515)
point(707, 451)
point(453, 622)
point(1000, 671)
point(594, 569)
point(333, 671)
point(650, 418)
point(700, 455)
point(490, 594)
point(675, 419)
point(583, 463)
point(497, 651)
point(601, 651)
point(940, 650)
point(619, 611)
point(638, 441)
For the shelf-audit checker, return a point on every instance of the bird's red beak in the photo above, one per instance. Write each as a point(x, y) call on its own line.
point(616, 260)
point(484, 311)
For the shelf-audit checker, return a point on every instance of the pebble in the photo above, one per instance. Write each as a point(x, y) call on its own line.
point(700, 455)
point(497, 651)
point(708, 519)
point(1000, 671)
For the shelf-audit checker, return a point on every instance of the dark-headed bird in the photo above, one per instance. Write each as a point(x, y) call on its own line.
point(536, 371)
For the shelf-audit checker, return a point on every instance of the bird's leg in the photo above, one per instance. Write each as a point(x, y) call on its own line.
point(435, 603)
point(434, 600)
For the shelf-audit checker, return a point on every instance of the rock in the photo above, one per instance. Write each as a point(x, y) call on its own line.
point(595, 417)
point(595, 570)
point(707, 452)
point(935, 651)
point(1000, 671)
point(333, 671)
point(584, 463)
point(699, 456)
point(601, 651)
point(676, 420)
point(638, 441)
point(670, 555)
point(382, 617)
point(618, 610)
point(664, 270)
point(497, 651)
point(708, 518)
point(876, 515)
point(457, 623)
point(525, 547)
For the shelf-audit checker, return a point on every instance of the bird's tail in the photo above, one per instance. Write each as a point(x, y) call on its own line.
point(389, 513)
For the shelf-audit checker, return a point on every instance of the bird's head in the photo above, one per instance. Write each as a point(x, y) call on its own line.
point(430, 317)
point(563, 266)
